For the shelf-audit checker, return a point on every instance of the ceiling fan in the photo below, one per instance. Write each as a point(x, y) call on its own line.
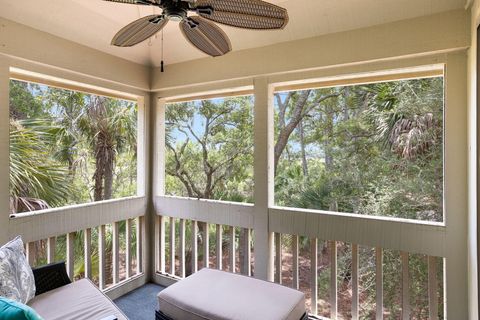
point(199, 31)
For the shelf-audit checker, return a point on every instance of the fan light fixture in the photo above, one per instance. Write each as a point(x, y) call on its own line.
point(199, 31)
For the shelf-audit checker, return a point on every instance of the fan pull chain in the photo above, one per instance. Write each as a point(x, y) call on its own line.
point(161, 63)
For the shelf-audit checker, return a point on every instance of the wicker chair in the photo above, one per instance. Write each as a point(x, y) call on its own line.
point(49, 277)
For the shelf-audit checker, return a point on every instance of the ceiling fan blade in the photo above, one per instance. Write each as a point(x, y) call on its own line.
point(141, 2)
point(205, 36)
point(247, 14)
point(139, 30)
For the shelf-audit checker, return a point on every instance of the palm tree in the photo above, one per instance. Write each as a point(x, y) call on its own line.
point(36, 181)
point(407, 114)
point(67, 108)
point(110, 125)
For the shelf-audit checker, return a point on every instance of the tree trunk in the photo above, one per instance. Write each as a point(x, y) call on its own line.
point(97, 114)
point(109, 161)
point(327, 137)
point(99, 172)
point(346, 95)
point(302, 148)
point(285, 132)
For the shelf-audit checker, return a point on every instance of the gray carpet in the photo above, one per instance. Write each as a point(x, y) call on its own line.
point(141, 303)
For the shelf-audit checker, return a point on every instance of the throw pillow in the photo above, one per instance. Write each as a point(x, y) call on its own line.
point(16, 277)
point(12, 310)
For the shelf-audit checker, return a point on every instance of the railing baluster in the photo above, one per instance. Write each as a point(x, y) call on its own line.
point(206, 245)
point(31, 253)
point(115, 253)
point(160, 243)
point(70, 256)
point(295, 282)
point(172, 246)
point(139, 236)
point(182, 247)
point(379, 282)
point(405, 287)
point(128, 248)
point(219, 246)
point(432, 288)
point(278, 258)
point(247, 260)
point(313, 275)
point(194, 246)
point(232, 249)
point(355, 298)
point(333, 280)
point(87, 252)
point(101, 256)
point(51, 244)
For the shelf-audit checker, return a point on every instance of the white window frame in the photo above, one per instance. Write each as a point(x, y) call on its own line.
point(62, 220)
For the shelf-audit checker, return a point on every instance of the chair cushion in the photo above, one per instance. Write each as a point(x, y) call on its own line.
point(16, 277)
point(218, 295)
point(80, 300)
point(13, 310)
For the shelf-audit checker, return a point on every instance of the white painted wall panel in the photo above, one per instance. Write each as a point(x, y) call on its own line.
point(20, 41)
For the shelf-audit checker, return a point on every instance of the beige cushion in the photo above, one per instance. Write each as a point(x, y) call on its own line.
point(80, 300)
point(218, 295)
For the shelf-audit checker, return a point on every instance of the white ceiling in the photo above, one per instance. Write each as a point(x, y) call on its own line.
point(94, 22)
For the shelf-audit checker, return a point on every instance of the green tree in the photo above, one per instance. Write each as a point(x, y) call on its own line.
point(110, 125)
point(210, 148)
point(25, 101)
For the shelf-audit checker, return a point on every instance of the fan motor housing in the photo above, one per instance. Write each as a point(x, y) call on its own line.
point(175, 11)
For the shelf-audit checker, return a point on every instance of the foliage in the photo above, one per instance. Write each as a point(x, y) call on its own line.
point(210, 149)
point(56, 139)
point(374, 149)
point(36, 182)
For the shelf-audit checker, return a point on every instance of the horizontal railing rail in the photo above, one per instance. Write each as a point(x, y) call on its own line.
point(217, 212)
point(53, 222)
point(421, 237)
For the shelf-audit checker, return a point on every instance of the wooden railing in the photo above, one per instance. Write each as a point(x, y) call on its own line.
point(288, 264)
point(114, 262)
point(186, 245)
point(372, 277)
point(100, 241)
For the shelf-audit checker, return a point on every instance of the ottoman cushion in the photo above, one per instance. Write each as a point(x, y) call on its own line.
point(218, 295)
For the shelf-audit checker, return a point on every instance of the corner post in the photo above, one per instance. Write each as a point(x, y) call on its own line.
point(4, 150)
point(263, 176)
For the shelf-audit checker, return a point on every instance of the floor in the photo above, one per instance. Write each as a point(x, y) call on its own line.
point(141, 303)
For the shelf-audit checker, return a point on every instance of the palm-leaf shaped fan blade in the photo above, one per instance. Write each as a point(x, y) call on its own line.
point(139, 30)
point(206, 36)
point(142, 2)
point(247, 14)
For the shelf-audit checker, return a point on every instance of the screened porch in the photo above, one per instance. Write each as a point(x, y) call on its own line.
point(341, 164)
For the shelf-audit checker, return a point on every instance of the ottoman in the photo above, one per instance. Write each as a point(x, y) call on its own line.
point(217, 295)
